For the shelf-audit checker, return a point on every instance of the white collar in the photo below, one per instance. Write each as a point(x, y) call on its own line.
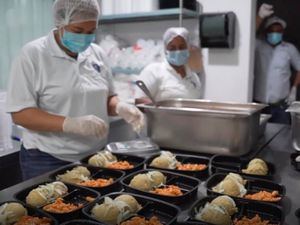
point(174, 72)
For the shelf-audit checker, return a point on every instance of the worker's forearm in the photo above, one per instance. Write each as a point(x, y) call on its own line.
point(112, 105)
point(297, 80)
point(38, 120)
point(258, 22)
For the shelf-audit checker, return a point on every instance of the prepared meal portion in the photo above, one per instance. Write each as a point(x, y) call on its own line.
point(214, 214)
point(11, 213)
point(256, 167)
point(148, 181)
point(232, 185)
point(114, 211)
point(253, 221)
point(167, 160)
point(168, 190)
point(59, 206)
point(44, 194)
point(32, 220)
point(154, 182)
point(218, 211)
point(264, 196)
point(80, 175)
point(76, 175)
point(142, 221)
point(106, 159)
point(227, 203)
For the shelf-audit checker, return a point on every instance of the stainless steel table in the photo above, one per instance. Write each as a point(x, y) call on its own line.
point(274, 147)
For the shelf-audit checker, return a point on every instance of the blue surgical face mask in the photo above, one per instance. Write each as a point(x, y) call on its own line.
point(77, 43)
point(178, 58)
point(274, 38)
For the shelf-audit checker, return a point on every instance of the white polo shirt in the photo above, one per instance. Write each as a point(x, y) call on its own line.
point(273, 71)
point(43, 76)
point(164, 82)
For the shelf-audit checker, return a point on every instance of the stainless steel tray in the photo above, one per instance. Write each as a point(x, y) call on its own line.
point(204, 126)
point(294, 109)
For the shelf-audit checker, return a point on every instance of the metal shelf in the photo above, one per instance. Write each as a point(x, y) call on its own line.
point(162, 14)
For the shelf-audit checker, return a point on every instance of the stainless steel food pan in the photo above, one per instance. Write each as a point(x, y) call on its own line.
point(204, 126)
point(294, 109)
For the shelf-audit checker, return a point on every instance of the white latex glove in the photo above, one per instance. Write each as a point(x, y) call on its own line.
point(86, 126)
point(131, 115)
point(292, 96)
point(265, 11)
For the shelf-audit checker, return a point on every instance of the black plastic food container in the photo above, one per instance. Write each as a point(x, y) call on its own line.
point(138, 162)
point(81, 222)
point(188, 185)
point(182, 158)
point(76, 195)
point(35, 212)
point(95, 174)
point(226, 164)
point(270, 212)
point(252, 186)
point(165, 212)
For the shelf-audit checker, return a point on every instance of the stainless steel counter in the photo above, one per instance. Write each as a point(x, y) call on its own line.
point(275, 147)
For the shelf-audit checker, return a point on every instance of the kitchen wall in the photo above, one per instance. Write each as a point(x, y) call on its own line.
point(229, 73)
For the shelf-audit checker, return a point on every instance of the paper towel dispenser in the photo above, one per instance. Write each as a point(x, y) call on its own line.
point(217, 30)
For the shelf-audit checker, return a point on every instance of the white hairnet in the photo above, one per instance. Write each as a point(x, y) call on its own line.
point(273, 20)
point(75, 11)
point(173, 32)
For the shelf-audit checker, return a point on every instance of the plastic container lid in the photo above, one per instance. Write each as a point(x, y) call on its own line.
point(141, 146)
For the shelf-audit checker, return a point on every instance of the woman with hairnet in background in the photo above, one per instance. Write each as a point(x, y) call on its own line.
point(61, 91)
point(173, 78)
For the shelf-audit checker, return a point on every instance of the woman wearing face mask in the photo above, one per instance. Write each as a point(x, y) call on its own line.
point(273, 61)
point(172, 78)
point(61, 91)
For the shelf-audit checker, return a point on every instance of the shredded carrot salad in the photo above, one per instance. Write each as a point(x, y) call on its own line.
point(254, 221)
point(31, 220)
point(142, 221)
point(120, 165)
point(265, 196)
point(59, 206)
point(170, 190)
point(97, 183)
point(191, 166)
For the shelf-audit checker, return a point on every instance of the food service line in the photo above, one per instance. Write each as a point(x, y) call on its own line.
point(277, 152)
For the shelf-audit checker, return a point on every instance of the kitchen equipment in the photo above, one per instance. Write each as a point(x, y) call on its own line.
point(144, 88)
point(204, 126)
point(294, 109)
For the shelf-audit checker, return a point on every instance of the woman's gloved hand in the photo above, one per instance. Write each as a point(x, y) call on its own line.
point(86, 126)
point(265, 11)
point(131, 115)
